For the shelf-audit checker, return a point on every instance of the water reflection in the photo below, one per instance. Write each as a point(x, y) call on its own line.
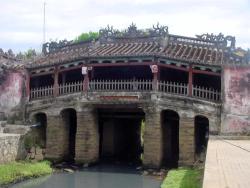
point(95, 177)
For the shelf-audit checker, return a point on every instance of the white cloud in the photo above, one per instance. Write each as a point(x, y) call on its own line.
point(21, 21)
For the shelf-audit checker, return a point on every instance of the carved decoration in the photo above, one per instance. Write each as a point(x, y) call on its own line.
point(132, 32)
point(54, 46)
point(220, 39)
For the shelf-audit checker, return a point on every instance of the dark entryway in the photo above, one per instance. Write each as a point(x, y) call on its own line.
point(170, 130)
point(70, 126)
point(201, 134)
point(120, 135)
point(41, 125)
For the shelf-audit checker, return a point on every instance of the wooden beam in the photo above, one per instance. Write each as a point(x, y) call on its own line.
point(41, 74)
point(195, 71)
point(173, 67)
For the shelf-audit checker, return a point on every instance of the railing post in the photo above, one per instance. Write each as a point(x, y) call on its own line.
point(154, 69)
point(56, 85)
point(190, 80)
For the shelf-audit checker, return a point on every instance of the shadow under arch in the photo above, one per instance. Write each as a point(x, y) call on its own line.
point(170, 138)
point(40, 127)
point(69, 128)
point(201, 133)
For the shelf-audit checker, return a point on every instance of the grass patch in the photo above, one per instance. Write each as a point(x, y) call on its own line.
point(183, 178)
point(17, 171)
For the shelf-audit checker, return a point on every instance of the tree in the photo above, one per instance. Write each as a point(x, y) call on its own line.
point(87, 36)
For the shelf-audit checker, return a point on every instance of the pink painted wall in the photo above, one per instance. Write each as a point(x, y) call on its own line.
point(11, 91)
point(236, 109)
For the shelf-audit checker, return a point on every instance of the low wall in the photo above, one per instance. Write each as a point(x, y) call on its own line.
point(11, 147)
point(236, 107)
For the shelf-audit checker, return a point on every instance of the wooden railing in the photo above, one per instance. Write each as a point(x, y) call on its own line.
point(128, 86)
point(206, 93)
point(41, 92)
point(173, 88)
point(74, 87)
point(120, 85)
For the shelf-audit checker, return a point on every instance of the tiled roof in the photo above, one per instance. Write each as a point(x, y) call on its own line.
point(159, 43)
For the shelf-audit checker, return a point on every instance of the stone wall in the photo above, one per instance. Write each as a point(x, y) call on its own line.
point(11, 148)
point(11, 92)
point(236, 106)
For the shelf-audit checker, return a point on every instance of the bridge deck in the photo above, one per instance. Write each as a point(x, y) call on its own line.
point(227, 164)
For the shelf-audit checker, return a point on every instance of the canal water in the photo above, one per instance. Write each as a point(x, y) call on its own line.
point(94, 177)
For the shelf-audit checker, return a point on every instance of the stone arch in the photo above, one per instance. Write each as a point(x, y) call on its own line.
point(170, 137)
point(39, 128)
point(201, 133)
point(69, 128)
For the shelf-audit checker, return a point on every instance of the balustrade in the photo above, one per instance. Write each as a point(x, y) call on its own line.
point(128, 86)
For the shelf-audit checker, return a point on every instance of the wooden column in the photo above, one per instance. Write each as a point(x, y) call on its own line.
point(85, 72)
point(190, 80)
point(27, 80)
point(56, 85)
point(154, 69)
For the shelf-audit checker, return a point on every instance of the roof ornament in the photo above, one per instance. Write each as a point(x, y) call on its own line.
point(132, 32)
point(220, 39)
point(160, 30)
point(53, 46)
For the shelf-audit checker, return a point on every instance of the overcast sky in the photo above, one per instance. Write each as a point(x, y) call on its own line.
point(21, 21)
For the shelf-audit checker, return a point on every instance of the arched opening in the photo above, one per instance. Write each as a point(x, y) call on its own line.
point(69, 120)
point(40, 127)
point(201, 134)
point(121, 135)
point(170, 137)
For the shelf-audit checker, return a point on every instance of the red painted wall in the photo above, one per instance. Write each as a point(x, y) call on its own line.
point(11, 91)
point(236, 109)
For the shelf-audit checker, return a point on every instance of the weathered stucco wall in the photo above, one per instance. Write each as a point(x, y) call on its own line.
point(236, 108)
point(11, 147)
point(11, 91)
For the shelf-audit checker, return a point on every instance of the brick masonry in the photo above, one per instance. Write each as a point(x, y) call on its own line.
point(152, 138)
point(186, 141)
point(87, 136)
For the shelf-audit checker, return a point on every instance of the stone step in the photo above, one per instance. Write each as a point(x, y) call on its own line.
point(3, 123)
point(16, 129)
point(2, 116)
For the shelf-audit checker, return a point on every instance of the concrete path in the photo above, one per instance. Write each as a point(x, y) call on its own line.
point(227, 164)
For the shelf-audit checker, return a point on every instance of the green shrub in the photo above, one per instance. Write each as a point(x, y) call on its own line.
point(17, 171)
point(183, 178)
point(87, 36)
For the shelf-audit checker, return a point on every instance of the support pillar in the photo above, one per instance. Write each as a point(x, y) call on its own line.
point(56, 138)
point(87, 137)
point(186, 141)
point(85, 72)
point(190, 81)
point(154, 69)
point(56, 85)
point(27, 80)
point(152, 138)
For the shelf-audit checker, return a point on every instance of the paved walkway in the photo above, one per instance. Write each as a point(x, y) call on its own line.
point(227, 164)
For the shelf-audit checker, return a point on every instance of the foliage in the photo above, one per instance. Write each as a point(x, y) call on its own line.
point(87, 36)
point(142, 137)
point(32, 139)
point(29, 54)
point(17, 171)
point(183, 178)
